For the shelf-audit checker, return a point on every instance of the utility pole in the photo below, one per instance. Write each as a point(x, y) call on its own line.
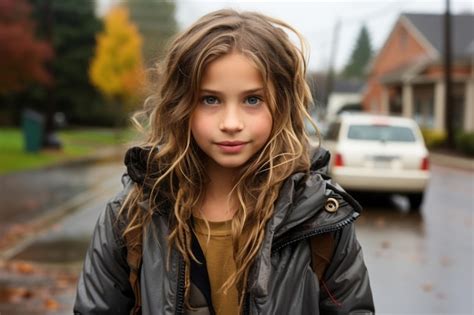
point(448, 99)
point(330, 74)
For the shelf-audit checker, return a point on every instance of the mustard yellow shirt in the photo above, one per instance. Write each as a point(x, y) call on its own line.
point(220, 263)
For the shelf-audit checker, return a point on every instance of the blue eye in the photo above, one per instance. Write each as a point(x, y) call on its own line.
point(254, 100)
point(209, 100)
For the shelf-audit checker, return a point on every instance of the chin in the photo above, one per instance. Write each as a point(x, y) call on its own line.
point(227, 163)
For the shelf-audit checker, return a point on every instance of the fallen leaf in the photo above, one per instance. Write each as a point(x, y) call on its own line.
point(445, 261)
point(51, 304)
point(427, 287)
point(24, 267)
point(380, 222)
point(15, 294)
point(385, 244)
point(62, 283)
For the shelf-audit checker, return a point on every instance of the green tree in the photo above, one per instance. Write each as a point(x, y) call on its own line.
point(70, 26)
point(360, 56)
point(156, 22)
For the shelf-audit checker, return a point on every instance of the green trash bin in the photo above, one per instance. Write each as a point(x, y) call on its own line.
point(32, 125)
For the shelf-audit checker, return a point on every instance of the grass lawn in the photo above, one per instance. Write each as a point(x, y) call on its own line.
point(76, 143)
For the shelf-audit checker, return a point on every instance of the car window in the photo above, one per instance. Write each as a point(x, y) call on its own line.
point(381, 133)
point(333, 131)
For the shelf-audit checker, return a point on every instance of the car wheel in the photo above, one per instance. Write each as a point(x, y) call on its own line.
point(415, 201)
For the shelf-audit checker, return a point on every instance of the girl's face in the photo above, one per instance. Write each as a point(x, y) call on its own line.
point(231, 121)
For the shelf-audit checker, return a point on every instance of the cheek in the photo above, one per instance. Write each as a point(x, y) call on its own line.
point(198, 125)
point(264, 125)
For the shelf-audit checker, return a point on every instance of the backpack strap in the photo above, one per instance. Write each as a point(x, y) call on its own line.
point(322, 249)
point(133, 241)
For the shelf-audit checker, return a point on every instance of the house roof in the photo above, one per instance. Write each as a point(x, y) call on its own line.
point(431, 28)
point(347, 86)
point(317, 83)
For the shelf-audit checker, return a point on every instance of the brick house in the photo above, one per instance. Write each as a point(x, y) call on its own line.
point(406, 76)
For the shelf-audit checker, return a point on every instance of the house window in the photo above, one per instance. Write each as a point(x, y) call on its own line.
point(458, 106)
point(396, 101)
point(423, 110)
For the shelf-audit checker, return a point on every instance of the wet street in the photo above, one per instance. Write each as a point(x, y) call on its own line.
point(419, 263)
point(423, 263)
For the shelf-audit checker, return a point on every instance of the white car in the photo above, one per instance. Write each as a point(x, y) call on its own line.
point(379, 154)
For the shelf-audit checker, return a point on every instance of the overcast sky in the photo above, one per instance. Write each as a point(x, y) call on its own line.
point(316, 19)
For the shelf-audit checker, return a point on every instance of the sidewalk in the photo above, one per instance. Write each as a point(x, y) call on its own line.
point(461, 163)
point(34, 200)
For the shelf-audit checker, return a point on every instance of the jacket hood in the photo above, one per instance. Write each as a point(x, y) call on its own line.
point(301, 197)
point(136, 161)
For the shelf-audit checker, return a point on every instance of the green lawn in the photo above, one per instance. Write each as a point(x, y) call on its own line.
point(76, 143)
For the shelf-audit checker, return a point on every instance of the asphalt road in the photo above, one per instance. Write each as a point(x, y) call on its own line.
point(419, 263)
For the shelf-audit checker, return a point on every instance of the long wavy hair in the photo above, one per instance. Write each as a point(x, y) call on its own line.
point(177, 167)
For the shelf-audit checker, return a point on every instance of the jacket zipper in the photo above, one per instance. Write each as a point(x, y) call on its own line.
point(246, 304)
point(320, 230)
point(180, 287)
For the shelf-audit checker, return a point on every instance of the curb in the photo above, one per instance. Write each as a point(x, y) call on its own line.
point(44, 222)
point(102, 155)
point(461, 163)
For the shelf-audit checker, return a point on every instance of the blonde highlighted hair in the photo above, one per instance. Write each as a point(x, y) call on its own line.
point(181, 177)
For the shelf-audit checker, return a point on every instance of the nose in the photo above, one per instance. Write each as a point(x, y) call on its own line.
point(231, 120)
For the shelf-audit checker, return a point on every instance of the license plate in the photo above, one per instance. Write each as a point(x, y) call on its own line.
point(382, 161)
point(382, 164)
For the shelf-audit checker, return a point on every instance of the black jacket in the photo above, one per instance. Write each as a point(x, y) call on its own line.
point(281, 280)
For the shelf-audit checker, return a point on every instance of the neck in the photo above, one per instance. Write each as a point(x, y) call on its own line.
point(218, 203)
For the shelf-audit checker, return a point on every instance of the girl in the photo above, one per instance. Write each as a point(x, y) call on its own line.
point(227, 205)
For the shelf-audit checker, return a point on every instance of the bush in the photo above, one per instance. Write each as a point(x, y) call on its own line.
point(433, 138)
point(464, 142)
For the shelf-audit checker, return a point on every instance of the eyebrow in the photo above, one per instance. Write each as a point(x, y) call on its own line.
point(243, 92)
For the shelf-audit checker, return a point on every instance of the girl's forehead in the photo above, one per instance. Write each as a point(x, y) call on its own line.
point(231, 69)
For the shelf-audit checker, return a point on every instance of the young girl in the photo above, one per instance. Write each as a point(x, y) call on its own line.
point(227, 204)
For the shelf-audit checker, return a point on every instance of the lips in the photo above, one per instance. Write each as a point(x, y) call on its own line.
point(231, 147)
point(231, 143)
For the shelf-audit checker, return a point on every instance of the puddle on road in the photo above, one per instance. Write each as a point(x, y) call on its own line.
point(55, 252)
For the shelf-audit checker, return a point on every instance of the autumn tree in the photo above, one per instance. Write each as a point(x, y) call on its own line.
point(69, 26)
point(22, 57)
point(360, 56)
point(156, 23)
point(117, 67)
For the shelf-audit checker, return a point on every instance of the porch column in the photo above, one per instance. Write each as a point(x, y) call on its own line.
point(384, 108)
point(469, 106)
point(439, 106)
point(407, 100)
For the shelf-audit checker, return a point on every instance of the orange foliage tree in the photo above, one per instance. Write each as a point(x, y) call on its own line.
point(117, 67)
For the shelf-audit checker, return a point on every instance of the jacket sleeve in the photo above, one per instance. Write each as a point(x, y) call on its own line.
point(103, 286)
point(346, 287)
